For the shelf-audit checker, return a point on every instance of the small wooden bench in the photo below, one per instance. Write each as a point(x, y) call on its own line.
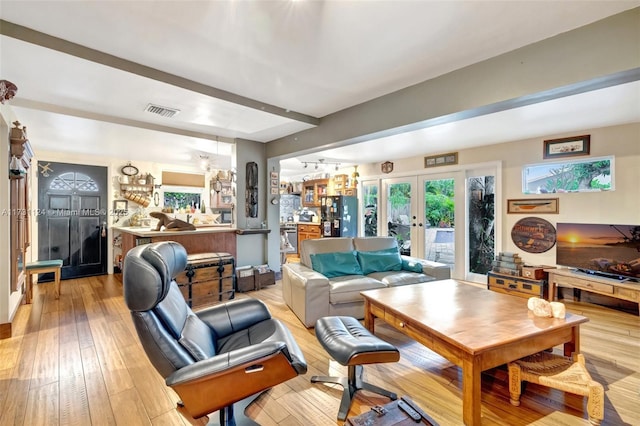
point(568, 374)
point(43, 267)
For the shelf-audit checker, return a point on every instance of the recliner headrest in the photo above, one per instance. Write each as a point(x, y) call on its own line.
point(148, 270)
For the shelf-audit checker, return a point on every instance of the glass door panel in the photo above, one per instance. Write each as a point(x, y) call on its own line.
point(400, 211)
point(482, 227)
point(439, 220)
point(370, 208)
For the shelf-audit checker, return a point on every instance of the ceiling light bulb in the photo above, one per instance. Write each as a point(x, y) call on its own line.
point(316, 166)
point(337, 167)
point(306, 165)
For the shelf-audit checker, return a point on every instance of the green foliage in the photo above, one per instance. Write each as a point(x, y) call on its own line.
point(573, 177)
point(439, 204)
point(439, 209)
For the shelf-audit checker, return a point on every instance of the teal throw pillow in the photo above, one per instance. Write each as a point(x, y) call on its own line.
point(380, 260)
point(411, 265)
point(336, 264)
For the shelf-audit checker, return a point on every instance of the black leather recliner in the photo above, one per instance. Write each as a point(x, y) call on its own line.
point(212, 358)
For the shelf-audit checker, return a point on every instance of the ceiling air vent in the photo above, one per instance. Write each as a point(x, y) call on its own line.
point(161, 111)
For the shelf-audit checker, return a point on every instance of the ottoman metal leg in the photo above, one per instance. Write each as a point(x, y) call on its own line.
point(352, 345)
point(351, 385)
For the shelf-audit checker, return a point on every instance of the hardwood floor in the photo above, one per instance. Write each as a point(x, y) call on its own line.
point(77, 361)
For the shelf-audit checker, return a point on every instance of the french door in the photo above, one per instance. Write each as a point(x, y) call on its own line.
point(443, 217)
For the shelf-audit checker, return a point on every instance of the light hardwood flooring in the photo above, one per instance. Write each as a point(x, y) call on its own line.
point(77, 361)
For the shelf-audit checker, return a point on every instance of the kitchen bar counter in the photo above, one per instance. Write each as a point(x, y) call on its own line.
point(204, 239)
point(143, 232)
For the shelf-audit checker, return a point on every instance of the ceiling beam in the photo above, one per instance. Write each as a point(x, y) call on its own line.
point(57, 109)
point(29, 35)
point(598, 55)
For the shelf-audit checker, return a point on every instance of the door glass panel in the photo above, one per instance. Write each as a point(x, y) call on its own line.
point(399, 214)
point(370, 201)
point(439, 220)
point(481, 195)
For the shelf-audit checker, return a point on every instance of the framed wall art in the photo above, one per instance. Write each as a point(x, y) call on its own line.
point(441, 160)
point(537, 205)
point(566, 147)
point(120, 206)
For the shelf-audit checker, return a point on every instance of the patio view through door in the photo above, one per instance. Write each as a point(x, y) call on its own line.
point(423, 213)
point(420, 211)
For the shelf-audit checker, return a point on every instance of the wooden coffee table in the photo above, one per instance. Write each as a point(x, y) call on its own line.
point(474, 328)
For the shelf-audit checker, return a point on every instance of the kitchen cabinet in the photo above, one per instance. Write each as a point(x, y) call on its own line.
point(313, 191)
point(308, 231)
point(341, 186)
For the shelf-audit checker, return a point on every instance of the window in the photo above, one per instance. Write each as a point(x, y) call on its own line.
point(594, 174)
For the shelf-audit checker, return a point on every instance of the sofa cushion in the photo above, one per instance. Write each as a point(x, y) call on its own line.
point(336, 264)
point(411, 265)
point(379, 260)
point(374, 243)
point(347, 288)
point(396, 278)
point(323, 245)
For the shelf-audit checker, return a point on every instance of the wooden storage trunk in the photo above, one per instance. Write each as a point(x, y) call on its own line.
point(208, 278)
point(517, 286)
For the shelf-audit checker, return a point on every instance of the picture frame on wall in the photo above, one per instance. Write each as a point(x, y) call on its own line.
point(274, 176)
point(533, 205)
point(120, 206)
point(448, 159)
point(566, 147)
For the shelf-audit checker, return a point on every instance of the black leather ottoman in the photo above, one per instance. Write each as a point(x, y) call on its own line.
point(352, 345)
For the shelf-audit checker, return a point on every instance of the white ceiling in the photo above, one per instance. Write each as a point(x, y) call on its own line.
point(261, 70)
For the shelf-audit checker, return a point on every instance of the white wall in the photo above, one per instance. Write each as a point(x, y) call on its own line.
point(621, 205)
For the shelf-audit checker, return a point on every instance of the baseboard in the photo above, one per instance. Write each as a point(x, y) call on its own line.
point(5, 330)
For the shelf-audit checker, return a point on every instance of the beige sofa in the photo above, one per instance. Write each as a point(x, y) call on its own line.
point(312, 295)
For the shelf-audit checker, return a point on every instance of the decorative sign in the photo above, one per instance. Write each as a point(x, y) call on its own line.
point(533, 235)
point(386, 167)
point(441, 160)
point(534, 205)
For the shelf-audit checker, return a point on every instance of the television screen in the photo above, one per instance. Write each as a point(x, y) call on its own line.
point(609, 250)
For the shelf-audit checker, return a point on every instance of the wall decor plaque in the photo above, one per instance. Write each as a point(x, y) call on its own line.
point(441, 160)
point(386, 167)
point(533, 234)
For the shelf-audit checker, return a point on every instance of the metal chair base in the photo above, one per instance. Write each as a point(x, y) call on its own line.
point(351, 385)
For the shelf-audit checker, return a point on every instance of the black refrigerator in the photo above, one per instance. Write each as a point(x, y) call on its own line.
point(339, 216)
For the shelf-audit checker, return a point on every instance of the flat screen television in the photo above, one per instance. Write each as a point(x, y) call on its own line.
point(601, 249)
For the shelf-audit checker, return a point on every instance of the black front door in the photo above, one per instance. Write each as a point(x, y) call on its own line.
point(72, 219)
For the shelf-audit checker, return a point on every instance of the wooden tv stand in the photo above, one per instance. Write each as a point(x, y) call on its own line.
point(620, 289)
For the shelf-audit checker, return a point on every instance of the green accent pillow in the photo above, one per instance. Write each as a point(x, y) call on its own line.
point(380, 261)
point(411, 265)
point(336, 264)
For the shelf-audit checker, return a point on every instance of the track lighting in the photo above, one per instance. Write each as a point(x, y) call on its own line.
point(320, 164)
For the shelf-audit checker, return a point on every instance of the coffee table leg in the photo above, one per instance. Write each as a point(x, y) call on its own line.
point(369, 318)
point(471, 393)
